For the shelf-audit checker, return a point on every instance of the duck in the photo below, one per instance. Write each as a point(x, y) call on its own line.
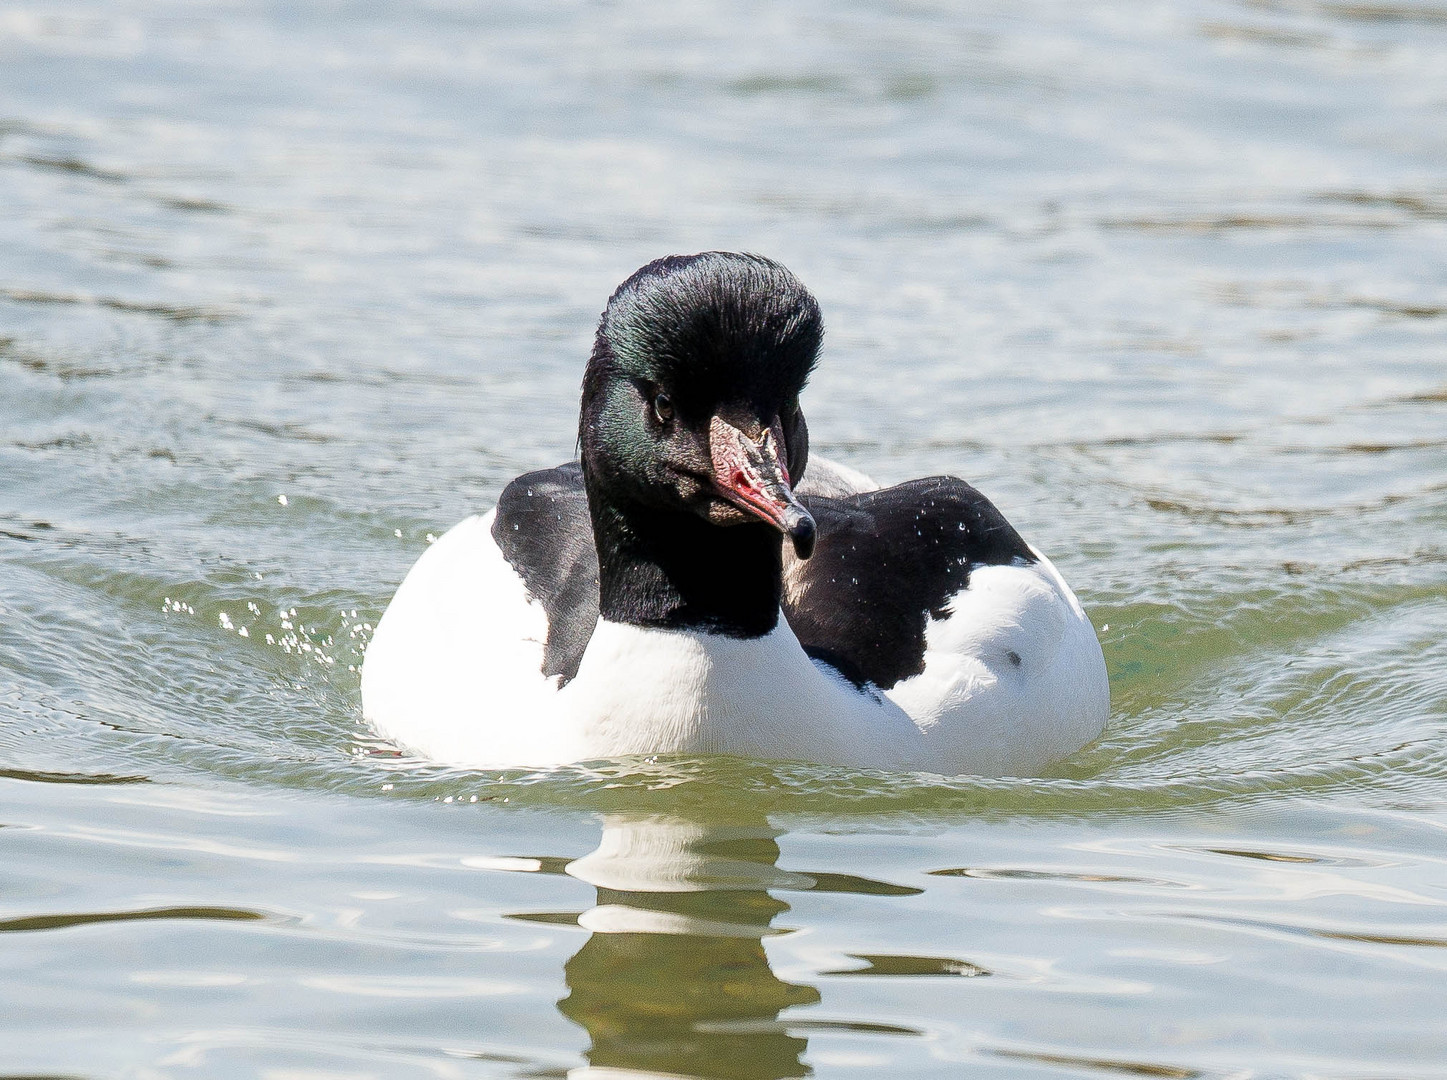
point(695, 584)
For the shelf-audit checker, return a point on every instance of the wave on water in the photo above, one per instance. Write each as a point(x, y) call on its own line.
point(1218, 696)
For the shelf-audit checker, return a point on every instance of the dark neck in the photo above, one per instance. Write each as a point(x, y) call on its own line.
point(674, 570)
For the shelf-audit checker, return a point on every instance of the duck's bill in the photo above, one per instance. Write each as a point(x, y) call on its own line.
point(752, 476)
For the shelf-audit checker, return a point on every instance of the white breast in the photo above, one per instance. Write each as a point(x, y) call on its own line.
point(643, 691)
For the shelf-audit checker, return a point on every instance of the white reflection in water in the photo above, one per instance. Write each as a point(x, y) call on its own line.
point(682, 910)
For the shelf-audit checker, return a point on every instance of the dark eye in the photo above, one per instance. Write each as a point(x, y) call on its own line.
point(663, 408)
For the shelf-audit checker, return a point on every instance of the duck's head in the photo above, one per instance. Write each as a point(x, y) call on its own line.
point(691, 397)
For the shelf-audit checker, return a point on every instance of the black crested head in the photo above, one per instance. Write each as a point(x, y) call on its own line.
point(718, 327)
point(692, 438)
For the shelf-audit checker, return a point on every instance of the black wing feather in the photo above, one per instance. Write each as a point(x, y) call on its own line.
point(544, 531)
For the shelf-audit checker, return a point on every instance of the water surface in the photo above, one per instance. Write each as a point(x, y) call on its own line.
point(287, 289)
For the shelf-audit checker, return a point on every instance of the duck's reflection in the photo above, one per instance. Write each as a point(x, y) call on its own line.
point(674, 979)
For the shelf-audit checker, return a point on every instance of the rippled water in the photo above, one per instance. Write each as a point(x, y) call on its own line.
point(285, 289)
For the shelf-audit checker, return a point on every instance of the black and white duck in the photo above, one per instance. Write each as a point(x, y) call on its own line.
point(695, 584)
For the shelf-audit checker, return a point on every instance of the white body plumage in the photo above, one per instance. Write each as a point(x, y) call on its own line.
point(1013, 680)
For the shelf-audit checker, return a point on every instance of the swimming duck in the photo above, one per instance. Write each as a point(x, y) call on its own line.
point(694, 584)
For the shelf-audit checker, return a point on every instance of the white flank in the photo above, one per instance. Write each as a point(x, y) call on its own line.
point(454, 669)
point(1014, 678)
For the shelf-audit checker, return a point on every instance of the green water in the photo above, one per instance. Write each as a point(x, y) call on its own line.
point(287, 288)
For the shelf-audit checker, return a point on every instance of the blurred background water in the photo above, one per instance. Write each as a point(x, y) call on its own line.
point(288, 288)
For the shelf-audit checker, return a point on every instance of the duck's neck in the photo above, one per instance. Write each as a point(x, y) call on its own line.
point(674, 570)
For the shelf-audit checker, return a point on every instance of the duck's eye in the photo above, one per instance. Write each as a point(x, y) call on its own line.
point(663, 408)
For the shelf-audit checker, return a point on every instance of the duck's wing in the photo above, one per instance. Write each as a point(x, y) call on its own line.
point(886, 563)
point(544, 532)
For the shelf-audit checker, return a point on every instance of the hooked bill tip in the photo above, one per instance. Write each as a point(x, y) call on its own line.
point(800, 528)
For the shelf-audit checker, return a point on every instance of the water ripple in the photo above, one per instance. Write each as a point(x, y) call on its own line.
point(64, 921)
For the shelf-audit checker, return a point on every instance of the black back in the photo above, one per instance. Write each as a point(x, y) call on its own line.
point(884, 563)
